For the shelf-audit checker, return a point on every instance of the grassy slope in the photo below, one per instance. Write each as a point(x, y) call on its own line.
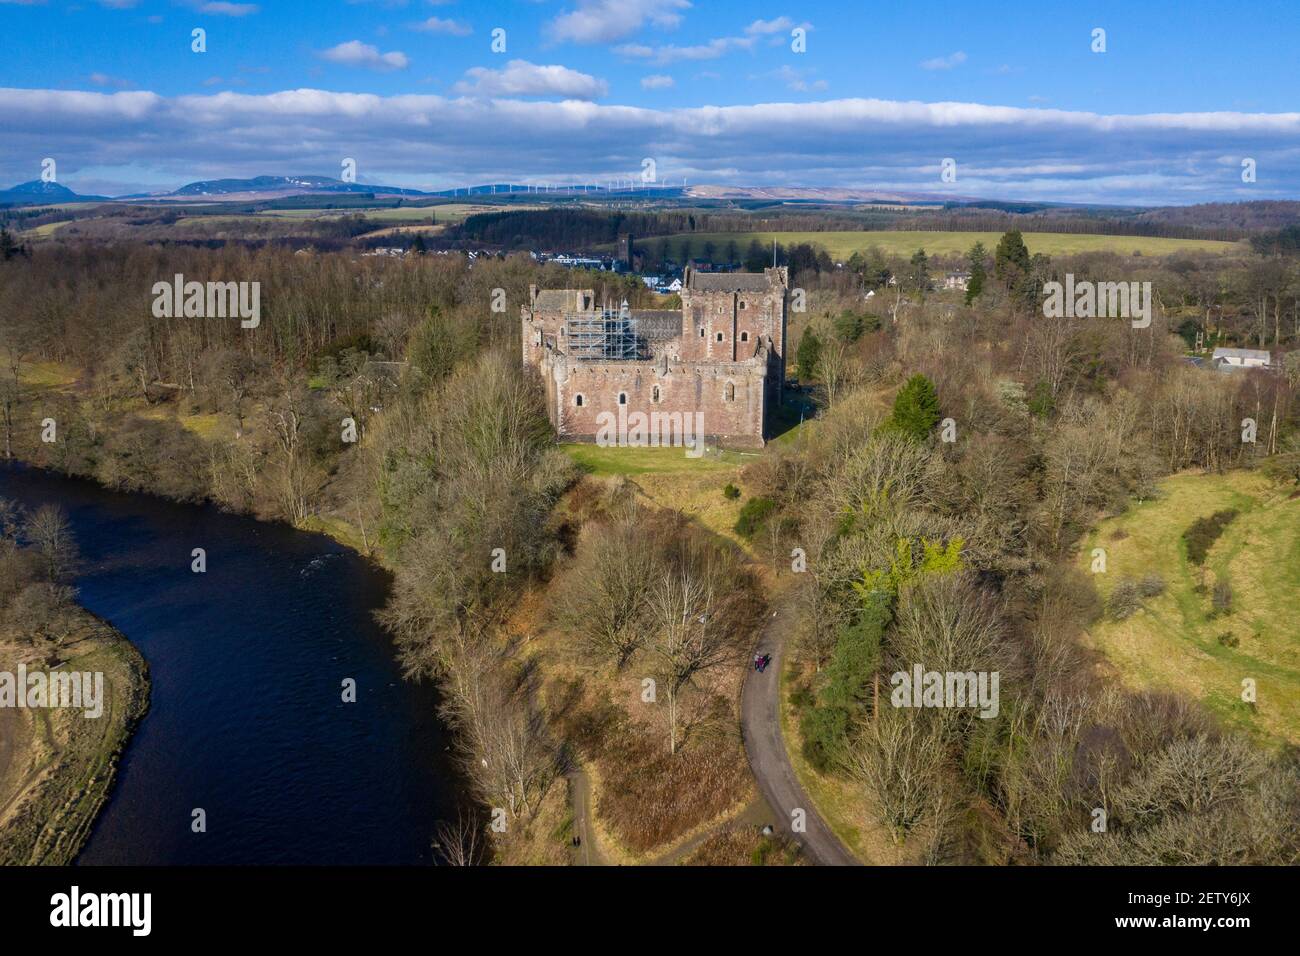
point(1174, 643)
point(669, 479)
point(61, 774)
point(841, 245)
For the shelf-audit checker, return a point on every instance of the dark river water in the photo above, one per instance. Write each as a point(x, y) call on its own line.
point(246, 718)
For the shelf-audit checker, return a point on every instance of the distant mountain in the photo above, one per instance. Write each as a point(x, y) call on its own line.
point(832, 194)
point(41, 193)
point(280, 186)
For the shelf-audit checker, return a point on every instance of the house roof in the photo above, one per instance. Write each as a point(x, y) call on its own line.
point(1257, 354)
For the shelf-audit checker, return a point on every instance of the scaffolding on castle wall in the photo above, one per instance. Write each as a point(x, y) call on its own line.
point(602, 335)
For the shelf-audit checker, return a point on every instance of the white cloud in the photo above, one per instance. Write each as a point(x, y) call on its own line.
point(776, 25)
point(450, 27)
point(603, 21)
point(656, 81)
point(944, 62)
point(672, 53)
point(795, 80)
point(220, 8)
point(356, 53)
point(104, 79)
point(521, 78)
point(1003, 151)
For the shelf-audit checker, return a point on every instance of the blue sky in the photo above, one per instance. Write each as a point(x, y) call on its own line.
point(713, 91)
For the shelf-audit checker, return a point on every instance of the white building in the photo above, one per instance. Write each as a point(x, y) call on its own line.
point(1241, 358)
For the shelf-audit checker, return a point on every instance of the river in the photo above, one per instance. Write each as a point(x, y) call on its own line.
point(246, 719)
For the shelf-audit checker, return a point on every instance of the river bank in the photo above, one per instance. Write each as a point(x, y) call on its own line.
point(57, 767)
point(248, 717)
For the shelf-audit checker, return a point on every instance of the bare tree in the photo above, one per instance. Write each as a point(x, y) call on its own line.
point(49, 531)
point(461, 843)
point(11, 396)
point(606, 600)
point(685, 640)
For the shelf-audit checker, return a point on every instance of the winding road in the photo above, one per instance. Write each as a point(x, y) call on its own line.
point(760, 724)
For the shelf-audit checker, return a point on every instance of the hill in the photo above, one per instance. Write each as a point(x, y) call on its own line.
point(42, 193)
point(1179, 640)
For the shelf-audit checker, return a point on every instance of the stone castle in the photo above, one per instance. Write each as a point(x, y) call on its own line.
point(721, 359)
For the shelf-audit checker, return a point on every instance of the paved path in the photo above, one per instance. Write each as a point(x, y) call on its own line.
point(587, 852)
point(760, 726)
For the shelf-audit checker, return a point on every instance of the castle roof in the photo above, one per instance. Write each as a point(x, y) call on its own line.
point(561, 300)
point(730, 281)
point(657, 324)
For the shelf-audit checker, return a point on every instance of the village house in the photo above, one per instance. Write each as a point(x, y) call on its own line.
point(1228, 360)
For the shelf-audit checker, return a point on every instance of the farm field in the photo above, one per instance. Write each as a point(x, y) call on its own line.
point(1177, 641)
point(841, 245)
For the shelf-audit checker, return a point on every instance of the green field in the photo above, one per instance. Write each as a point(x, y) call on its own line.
point(841, 245)
point(607, 461)
point(1174, 642)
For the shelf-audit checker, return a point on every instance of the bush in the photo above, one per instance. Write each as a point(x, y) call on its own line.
point(844, 694)
point(1228, 639)
point(850, 326)
point(801, 697)
point(1222, 598)
point(1200, 537)
point(823, 730)
point(1125, 600)
point(730, 492)
point(1151, 585)
point(1041, 401)
point(753, 516)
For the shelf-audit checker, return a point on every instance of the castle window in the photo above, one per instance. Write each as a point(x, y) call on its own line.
point(654, 396)
point(701, 331)
point(577, 400)
point(622, 398)
point(743, 304)
point(719, 336)
point(744, 336)
point(729, 392)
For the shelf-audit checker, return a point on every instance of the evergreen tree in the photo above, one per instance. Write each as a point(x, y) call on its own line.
point(918, 273)
point(976, 257)
point(808, 355)
point(1011, 260)
point(916, 408)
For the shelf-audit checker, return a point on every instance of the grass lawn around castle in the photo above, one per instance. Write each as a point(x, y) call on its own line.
point(609, 461)
point(1177, 642)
